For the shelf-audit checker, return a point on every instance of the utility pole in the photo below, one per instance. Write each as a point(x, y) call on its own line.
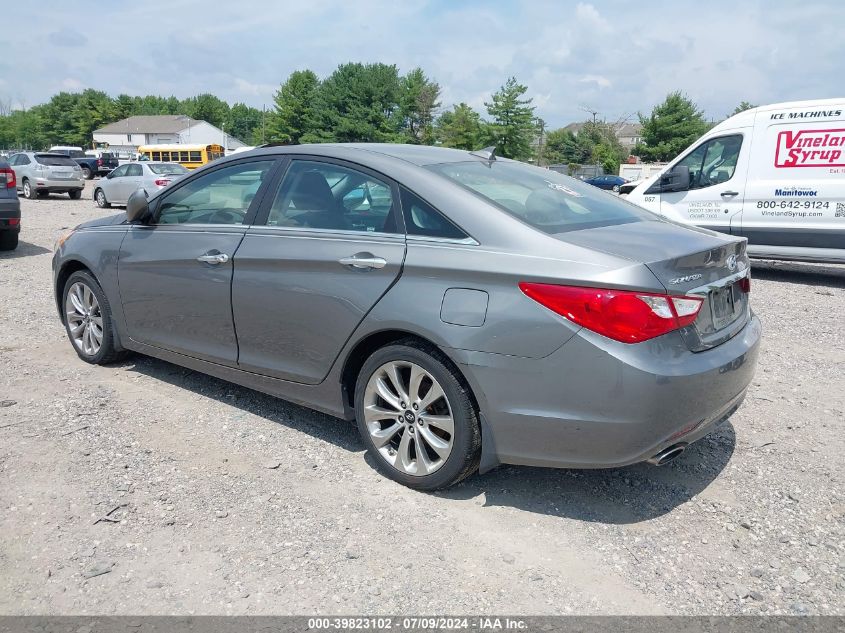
point(590, 111)
point(263, 124)
point(542, 125)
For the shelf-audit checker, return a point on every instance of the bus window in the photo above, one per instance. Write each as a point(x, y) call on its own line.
point(156, 155)
point(196, 157)
point(183, 157)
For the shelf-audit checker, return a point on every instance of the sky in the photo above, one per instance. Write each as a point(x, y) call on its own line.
point(615, 57)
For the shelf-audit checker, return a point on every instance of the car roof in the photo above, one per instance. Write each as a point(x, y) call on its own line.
point(416, 154)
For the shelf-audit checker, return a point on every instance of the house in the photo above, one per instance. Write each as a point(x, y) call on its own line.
point(629, 134)
point(129, 134)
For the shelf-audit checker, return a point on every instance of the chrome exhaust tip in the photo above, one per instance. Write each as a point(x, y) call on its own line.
point(667, 455)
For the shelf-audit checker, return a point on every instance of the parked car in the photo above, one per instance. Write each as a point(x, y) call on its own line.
point(98, 164)
point(10, 208)
point(126, 179)
point(43, 173)
point(774, 175)
point(465, 310)
point(608, 182)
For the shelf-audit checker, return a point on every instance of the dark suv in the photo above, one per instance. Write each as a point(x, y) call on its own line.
point(10, 208)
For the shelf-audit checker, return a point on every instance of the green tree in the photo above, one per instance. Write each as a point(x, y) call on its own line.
point(513, 124)
point(461, 128)
point(742, 107)
point(562, 147)
point(242, 122)
point(417, 106)
point(670, 128)
point(358, 103)
point(206, 107)
point(294, 114)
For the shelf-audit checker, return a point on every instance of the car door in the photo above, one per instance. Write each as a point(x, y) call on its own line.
point(131, 182)
point(175, 271)
point(715, 195)
point(328, 244)
point(111, 185)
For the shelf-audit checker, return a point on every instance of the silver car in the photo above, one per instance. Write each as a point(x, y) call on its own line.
point(463, 309)
point(125, 180)
point(43, 173)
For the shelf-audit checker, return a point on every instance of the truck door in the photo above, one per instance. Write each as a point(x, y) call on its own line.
point(717, 169)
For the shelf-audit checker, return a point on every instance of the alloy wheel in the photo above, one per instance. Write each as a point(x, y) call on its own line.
point(84, 318)
point(101, 198)
point(409, 418)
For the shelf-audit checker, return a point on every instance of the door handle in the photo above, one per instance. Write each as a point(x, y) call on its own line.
point(363, 261)
point(729, 194)
point(213, 258)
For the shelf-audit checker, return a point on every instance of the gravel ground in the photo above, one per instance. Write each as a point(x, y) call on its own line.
point(145, 488)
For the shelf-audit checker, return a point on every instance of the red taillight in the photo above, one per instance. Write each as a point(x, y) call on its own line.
point(745, 284)
point(162, 182)
point(13, 221)
point(629, 317)
point(99, 162)
point(9, 174)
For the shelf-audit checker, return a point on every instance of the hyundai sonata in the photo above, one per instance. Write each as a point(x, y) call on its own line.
point(465, 310)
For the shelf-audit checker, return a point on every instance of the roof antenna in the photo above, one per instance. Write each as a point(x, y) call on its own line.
point(488, 153)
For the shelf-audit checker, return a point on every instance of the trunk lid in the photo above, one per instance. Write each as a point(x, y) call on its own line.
point(687, 261)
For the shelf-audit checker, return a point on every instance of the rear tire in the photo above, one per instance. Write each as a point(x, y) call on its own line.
point(100, 198)
point(425, 425)
point(75, 194)
point(88, 320)
point(87, 173)
point(8, 240)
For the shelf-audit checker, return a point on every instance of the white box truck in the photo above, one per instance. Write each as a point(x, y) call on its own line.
point(774, 174)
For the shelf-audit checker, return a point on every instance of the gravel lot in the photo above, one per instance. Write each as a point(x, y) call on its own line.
point(145, 488)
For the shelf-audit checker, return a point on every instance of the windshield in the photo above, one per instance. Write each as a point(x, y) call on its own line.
point(54, 160)
point(167, 169)
point(548, 201)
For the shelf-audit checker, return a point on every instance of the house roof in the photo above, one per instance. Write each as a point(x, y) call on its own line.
point(157, 124)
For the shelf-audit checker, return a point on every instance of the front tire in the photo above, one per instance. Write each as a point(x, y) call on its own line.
point(416, 417)
point(29, 192)
point(88, 319)
point(100, 197)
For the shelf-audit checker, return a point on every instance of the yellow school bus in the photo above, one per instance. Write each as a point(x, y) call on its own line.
point(190, 156)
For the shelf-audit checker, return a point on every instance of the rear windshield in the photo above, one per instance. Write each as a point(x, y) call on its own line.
point(548, 201)
point(54, 160)
point(106, 156)
point(166, 169)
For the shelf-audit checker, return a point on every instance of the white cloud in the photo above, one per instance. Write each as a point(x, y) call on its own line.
point(601, 82)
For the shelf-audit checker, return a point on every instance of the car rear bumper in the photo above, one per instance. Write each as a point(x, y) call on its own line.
point(54, 186)
point(10, 214)
point(597, 403)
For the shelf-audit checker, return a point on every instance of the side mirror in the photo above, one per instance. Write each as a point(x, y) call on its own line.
point(677, 179)
point(137, 207)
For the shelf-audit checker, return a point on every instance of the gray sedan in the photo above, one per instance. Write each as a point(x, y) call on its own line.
point(465, 310)
point(122, 182)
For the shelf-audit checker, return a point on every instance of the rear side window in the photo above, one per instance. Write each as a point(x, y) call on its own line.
point(54, 160)
point(423, 219)
point(546, 200)
point(135, 170)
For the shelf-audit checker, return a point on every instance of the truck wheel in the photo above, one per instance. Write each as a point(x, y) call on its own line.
point(87, 173)
point(8, 240)
point(29, 191)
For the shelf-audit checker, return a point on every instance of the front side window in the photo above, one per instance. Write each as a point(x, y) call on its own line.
point(318, 195)
point(220, 197)
point(546, 200)
point(120, 172)
point(713, 162)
